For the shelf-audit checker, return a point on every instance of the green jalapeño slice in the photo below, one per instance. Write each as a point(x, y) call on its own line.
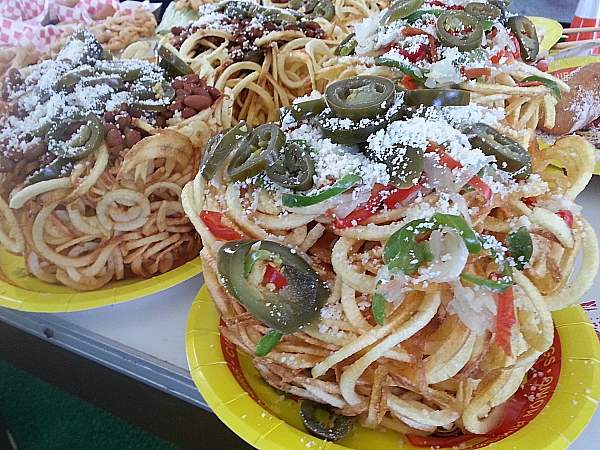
point(360, 97)
point(459, 29)
point(510, 155)
point(273, 282)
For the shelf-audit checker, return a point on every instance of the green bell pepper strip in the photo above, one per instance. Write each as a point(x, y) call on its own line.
point(84, 142)
point(552, 85)
point(253, 258)
point(360, 97)
point(483, 11)
point(416, 73)
point(220, 146)
point(437, 97)
point(304, 109)
point(285, 310)
point(459, 29)
point(257, 152)
point(267, 343)
point(347, 46)
point(526, 35)
point(510, 155)
point(322, 421)
point(378, 308)
point(399, 10)
point(499, 285)
point(520, 247)
point(295, 171)
point(402, 251)
point(342, 185)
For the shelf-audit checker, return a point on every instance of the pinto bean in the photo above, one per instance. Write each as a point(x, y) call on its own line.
point(198, 102)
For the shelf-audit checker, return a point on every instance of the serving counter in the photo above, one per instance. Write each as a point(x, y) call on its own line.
point(130, 358)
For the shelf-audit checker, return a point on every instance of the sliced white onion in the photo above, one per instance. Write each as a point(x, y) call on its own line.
point(390, 283)
point(444, 179)
point(475, 307)
point(450, 258)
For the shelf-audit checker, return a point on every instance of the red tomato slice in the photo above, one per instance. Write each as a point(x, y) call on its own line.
point(566, 215)
point(274, 276)
point(390, 196)
point(505, 319)
point(213, 221)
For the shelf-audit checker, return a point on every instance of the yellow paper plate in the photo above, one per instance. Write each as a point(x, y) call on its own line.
point(571, 63)
point(549, 31)
point(19, 290)
point(550, 410)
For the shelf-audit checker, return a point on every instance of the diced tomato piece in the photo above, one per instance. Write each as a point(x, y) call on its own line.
point(530, 83)
point(481, 186)
point(390, 196)
point(476, 72)
point(542, 64)
point(530, 202)
point(213, 221)
point(505, 319)
point(275, 277)
point(397, 196)
point(409, 83)
point(566, 215)
point(517, 52)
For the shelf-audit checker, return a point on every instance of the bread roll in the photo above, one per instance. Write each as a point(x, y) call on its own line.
point(581, 105)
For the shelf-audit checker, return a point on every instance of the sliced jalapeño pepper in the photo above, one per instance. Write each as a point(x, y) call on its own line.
point(399, 10)
point(526, 35)
point(296, 169)
point(483, 11)
point(510, 155)
point(404, 164)
point(348, 132)
point(171, 63)
point(284, 310)
point(257, 152)
point(220, 146)
point(323, 422)
point(156, 98)
point(305, 6)
point(74, 53)
point(59, 168)
point(323, 9)
point(83, 142)
point(459, 29)
point(360, 97)
point(304, 109)
point(437, 97)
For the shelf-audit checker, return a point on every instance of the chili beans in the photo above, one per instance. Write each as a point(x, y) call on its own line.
point(192, 95)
